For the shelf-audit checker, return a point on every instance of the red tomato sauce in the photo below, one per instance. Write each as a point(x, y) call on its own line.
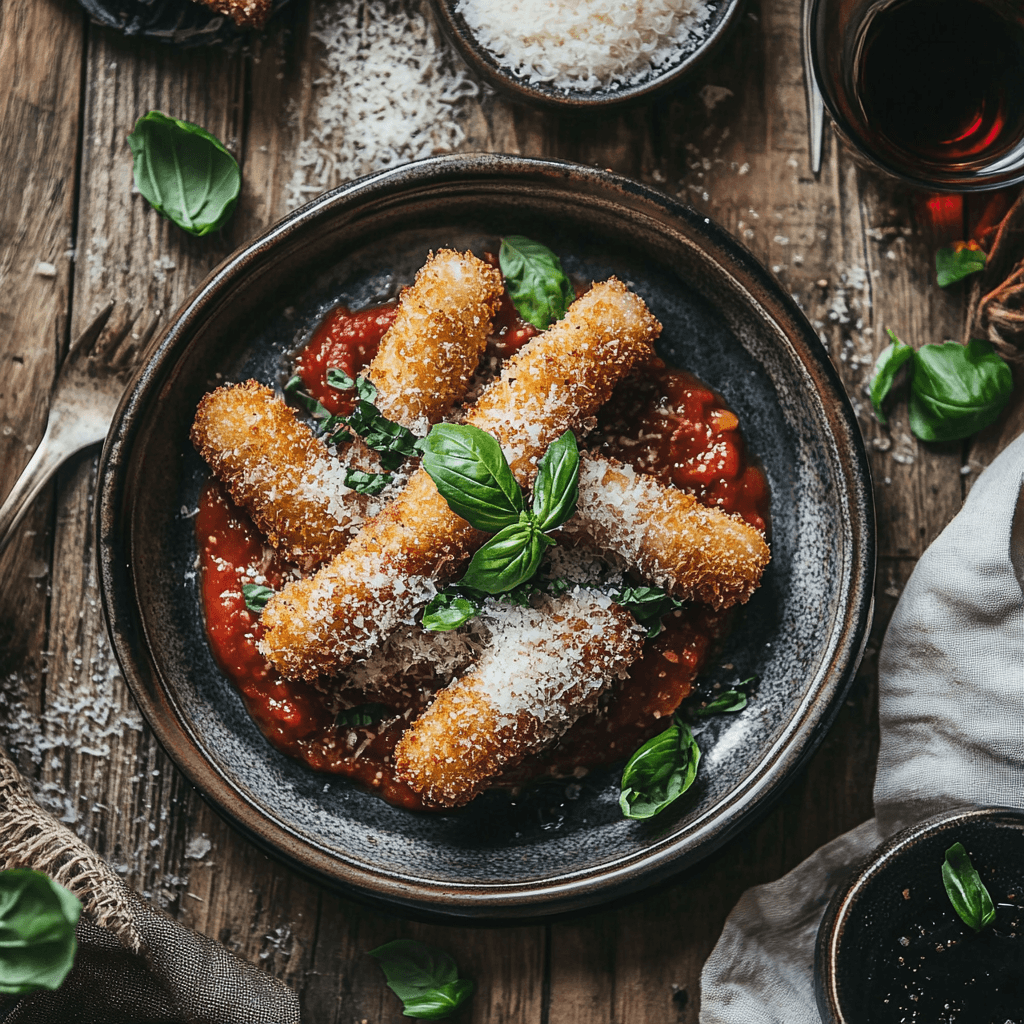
point(690, 439)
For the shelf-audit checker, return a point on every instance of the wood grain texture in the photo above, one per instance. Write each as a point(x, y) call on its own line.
point(854, 250)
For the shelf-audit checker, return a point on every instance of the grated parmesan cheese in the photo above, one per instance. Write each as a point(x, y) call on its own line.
point(389, 91)
point(584, 45)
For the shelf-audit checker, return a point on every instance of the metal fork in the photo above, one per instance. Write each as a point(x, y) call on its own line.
point(92, 379)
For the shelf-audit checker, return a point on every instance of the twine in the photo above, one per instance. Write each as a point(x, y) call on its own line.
point(996, 310)
point(31, 838)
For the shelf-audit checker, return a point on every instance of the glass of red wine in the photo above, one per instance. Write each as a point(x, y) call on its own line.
point(931, 91)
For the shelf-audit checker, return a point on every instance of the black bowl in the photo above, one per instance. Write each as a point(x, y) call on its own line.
point(879, 915)
point(577, 100)
point(553, 848)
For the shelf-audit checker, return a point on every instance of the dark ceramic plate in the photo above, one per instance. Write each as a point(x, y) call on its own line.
point(184, 23)
point(899, 888)
point(725, 318)
point(723, 14)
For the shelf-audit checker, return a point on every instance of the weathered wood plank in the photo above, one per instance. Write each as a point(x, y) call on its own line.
point(40, 53)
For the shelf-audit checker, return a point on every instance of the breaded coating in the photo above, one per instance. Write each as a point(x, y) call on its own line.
point(543, 669)
point(571, 367)
point(427, 359)
point(696, 553)
point(555, 383)
point(279, 472)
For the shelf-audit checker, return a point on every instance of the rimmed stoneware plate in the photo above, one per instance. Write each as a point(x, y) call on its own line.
point(722, 14)
point(556, 847)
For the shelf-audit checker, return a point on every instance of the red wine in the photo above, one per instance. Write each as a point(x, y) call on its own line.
point(941, 82)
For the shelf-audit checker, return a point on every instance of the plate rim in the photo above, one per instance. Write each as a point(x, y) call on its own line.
point(567, 891)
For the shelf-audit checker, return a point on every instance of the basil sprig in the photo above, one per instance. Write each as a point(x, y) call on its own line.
point(540, 289)
point(256, 596)
point(185, 172)
point(362, 715)
point(660, 772)
point(957, 261)
point(37, 932)
point(471, 473)
point(426, 979)
point(965, 889)
point(955, 390)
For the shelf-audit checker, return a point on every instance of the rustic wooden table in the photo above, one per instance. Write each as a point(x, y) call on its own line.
point(855, 251)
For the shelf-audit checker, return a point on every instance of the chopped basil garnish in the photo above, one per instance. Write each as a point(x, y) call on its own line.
point(889, 363)
point(725, 703)
point(331, 427)
point(540, 289)
point(957, 389)
point(391, 440)
point(456, 605)
point(424, 978)
point(649, 606)
point(661, 771)
point(184, 172)
point(957, 261)
point(37, 932)
point(965, 889)
point(256, 597)
point(366, 483)
point(362, 715)
point(447, 611)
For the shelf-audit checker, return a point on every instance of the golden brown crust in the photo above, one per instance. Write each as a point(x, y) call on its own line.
point(525, 692)
point(278, 471)
point(429, 355)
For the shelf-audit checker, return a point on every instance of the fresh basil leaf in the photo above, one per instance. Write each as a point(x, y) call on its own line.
point(648, 605)
point(957, 261)
point(509, 558)
point(727, 702)
point(889, 362)
point(184, 172)
point(470, 471)
point(37, 931)
point(659, 772)
point(366, 483)
point(362, 715)
point(540, 289)
point(340, 380)
point(332, 428)
point(424, 978)
point(393, 442)
point(957, 389)
point(965, 889)
point(556, 488)
point(447, 611)
point(256, 596)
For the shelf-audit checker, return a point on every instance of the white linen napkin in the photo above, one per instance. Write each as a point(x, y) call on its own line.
point(951, 710)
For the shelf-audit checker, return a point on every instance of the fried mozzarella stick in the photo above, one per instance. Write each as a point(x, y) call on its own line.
point(543, 669)
point(427, 358)
point(279, 471)
point(696, 553)
point(554, 383)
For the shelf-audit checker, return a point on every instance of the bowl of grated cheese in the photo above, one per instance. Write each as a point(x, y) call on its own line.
point(585, 54)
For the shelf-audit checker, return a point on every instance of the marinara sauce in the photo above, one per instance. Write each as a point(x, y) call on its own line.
point(662, 421)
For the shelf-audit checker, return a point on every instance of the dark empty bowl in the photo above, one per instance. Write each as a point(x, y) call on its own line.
point(486, 64)
point(892, 948)
point(554, 847)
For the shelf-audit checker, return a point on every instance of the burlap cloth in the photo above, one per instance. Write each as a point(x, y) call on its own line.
point(134, 964)
point(951, 710)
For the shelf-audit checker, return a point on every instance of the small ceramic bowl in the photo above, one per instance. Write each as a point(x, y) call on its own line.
point(486, 64)
point(556, 846)
point(891, 942)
